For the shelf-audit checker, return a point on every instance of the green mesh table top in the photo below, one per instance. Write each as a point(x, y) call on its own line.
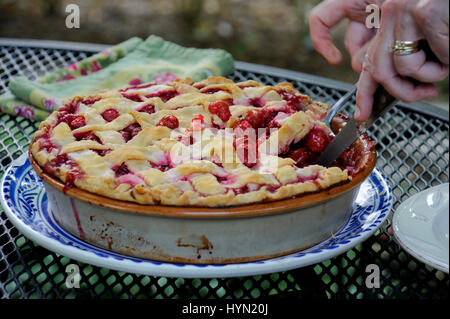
point(412, 145)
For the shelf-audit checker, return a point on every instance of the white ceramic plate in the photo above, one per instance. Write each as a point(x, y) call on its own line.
point(421, 226)
point(25, 201)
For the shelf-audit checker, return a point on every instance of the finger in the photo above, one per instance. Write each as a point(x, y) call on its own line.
point(400, 88)
point(414, 65)
point(417, 67)
point(357, 35)
point(324, 17)
point(408, 91)
point(432, 17)
point(358, 58)
point(364, 95)
point(378, 65)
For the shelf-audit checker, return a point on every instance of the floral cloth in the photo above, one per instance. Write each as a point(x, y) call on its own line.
point(131, 62)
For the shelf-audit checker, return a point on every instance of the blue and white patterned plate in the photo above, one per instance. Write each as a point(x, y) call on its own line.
point(25, 202)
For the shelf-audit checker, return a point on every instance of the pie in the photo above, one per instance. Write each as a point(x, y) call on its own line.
point(212, 143)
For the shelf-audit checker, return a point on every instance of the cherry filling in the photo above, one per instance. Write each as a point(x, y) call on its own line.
point(71, 107)
point(169, 121)
point(241, 190)
point(102, 152)
point(163, 165)
point(148, 108)
point(246, 150)
point(45, 143)
point(256, 102)
point(138, 86)
point(243, 125)
point(110, 114)
point(221, 109)
point(347, 160)
point(88, 135)
point(133, 97)
point(294, 100)
point(60, 160)
point(163, 95)
point(67, 115)
point(121, 169)
point(317, 140)
point(71, 177)
point(130, 131)
point(308, 150)
point(256, 118)
point(210, 90)
point(162, 168)
point(199, 118)
point(74, 121)
point(72, 174)
point(90, 100)
point(301, 156)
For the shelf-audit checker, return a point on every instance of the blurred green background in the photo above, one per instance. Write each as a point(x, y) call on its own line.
point(268, 32)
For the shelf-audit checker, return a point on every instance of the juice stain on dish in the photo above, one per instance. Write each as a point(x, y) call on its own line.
point(197, 242)
point(77, 218)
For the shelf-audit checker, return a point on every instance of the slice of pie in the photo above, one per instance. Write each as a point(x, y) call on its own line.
point(211, 143)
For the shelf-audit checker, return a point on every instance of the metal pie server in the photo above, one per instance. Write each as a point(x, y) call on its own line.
point(382, 102)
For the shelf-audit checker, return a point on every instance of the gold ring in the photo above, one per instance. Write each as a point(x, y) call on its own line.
point(405, 47)
point(406, 44)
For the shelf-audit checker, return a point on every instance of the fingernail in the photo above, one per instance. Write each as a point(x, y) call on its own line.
point(357, 113)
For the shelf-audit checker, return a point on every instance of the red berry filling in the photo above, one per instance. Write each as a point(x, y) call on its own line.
point(256, 101)
point(137, 87)
point(308, 150)
point(102, 152)
point(133, 97)
point(241, 190)
point(130, 131)
point(45, 143)
point(243, 125)
point(148, 108)
point(121, 169)
point(256, 118)
point(71, 107)
point(110, 114)
point(169, 121)
point(88, 135)
point(90, 100)
point(66, 115)
point(347, 160)
point(301, 156)
point(78, 122)
point(221, 109)
point(163, 95)
point(210, 90)
point(294, 100)
point(60, 160)
point(246, 150)
point(162, 168)
point(186, 139)
point(199, 118)
point(71, 176)
point(317, 140)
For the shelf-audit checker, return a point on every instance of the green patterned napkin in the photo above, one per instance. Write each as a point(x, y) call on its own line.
point(129, 63)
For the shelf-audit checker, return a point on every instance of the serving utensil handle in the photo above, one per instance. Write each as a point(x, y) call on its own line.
point(382, 103)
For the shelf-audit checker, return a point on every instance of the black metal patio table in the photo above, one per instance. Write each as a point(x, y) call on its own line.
point(412, 145)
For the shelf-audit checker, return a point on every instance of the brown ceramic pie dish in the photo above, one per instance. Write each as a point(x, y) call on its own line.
point(146, 171)
point(205, 235)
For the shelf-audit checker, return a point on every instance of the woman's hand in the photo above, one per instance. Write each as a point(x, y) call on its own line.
point(327, 15)
point(407, 77)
